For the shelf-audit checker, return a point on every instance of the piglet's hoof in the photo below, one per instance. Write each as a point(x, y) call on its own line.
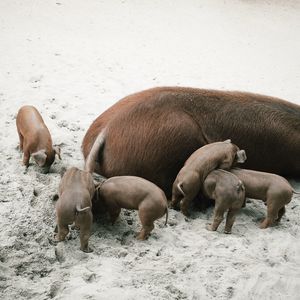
point(53, 241)
point(173, 206)
point(209, 227)
point(227, 232)
point(264, 224)
point(186, 213)
point(141, 236)
point(87, 250)
point(74, 227)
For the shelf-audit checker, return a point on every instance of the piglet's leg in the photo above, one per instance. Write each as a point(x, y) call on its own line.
point(114, 215)
point(218, 218)
point(26, 157)
point(145, 232)
point(272, 215)
point(176, 198)
point(184, 205)
point(281, 212)
point(62, 232)
point(21, 139)
point(147, 216)
point(230, 220)
point(85, 220)
point(114, 211)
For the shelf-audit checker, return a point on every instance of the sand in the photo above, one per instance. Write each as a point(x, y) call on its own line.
point(72, 60)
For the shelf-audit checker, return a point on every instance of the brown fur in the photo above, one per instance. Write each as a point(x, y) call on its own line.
point(35, 138)
point(274, 190)
point(207, 158)
point(152, 133)
point(229, 195)
point(132, 192)
point(76, 190)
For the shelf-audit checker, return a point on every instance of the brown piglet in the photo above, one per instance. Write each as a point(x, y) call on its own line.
point(76, 190)
point(190, 178)
point(273, 189)
point(132, 192)
point(229, 194)
point(35, 138)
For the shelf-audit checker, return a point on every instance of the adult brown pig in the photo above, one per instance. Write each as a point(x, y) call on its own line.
point(152, 133)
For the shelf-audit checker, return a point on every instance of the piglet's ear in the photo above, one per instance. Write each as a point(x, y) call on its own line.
point(228, 141)
point(40, 157)
point(56, 149)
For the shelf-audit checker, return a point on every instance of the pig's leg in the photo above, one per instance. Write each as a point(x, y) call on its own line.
point(26, 157)
point(184, 205)
point(146, 230)
point(176, 197)
point(147, 214)
point(114, 211)
point(272, 215)
point(281, 212)
point(230, 220)
point(85, 220)
point(21, 139)
point(62, 232)
point(218, 218)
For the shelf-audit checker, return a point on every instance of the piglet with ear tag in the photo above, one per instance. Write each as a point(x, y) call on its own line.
point(40, 157)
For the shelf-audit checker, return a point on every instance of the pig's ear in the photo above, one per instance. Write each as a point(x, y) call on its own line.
point(56, 149)
point(228, 141)
point(40, 157)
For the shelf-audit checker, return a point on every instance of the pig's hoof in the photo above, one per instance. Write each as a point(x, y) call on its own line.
point(74, 227)
point(227, 231)
point(53, 241)
point(263, 226)
point(208, 227)
point(87, 250)
point(186, 213)
point(173, 206)
point(141, 237)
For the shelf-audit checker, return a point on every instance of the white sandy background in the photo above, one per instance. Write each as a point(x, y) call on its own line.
point(72, 60)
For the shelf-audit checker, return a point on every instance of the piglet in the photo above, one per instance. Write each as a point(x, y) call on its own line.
point(229, 194)
point(76, 190)
point(190, 178)
point(132, 192)
point(35, 138)
point(273, 189)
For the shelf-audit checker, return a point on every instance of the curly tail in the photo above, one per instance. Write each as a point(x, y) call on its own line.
point(79, 209)
point(180, 189)
point(91, 158)
point(167, 216)
point(240, 186)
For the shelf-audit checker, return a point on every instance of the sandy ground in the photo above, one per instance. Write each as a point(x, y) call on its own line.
point(72, 60)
